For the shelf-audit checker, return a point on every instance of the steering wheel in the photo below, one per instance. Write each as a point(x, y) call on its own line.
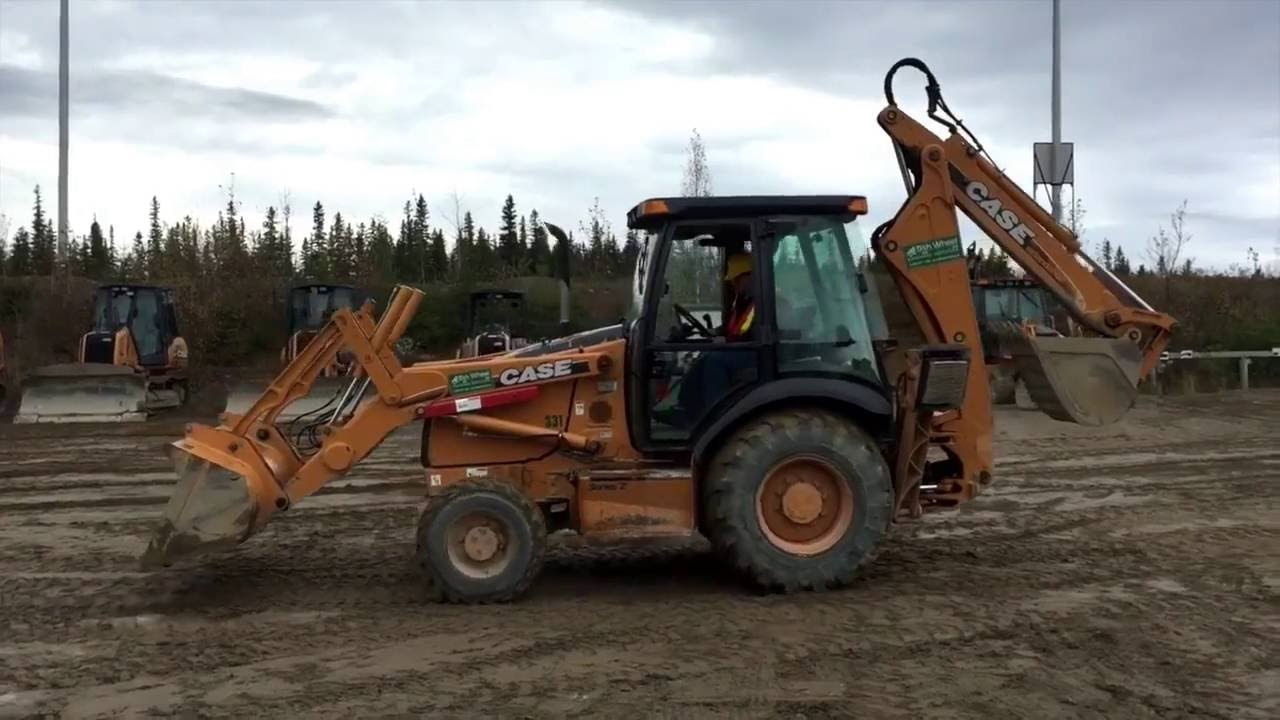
point(694, 322)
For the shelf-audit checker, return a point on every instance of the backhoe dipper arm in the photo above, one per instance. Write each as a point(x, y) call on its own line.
point(1090, 381)
point(1043, 247)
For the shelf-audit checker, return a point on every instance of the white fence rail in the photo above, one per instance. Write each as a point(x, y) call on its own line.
point(1245, 358)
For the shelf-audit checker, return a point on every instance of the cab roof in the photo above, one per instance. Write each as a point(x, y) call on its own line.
point(655, 211)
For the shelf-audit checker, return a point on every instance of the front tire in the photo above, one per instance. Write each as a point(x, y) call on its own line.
point(798, 500)
point(480, 542)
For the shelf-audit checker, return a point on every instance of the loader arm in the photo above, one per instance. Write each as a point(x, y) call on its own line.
point(234, 477)
point(1087, 380)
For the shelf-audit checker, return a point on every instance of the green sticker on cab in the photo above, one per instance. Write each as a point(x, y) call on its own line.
point(469, 382)
point(933, 252)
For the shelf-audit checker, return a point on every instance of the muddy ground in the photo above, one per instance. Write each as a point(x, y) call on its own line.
point(1132, 572)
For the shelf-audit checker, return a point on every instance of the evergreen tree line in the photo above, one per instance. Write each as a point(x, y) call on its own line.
point(336, 249)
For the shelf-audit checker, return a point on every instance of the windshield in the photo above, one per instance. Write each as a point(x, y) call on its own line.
point(1015, 304)
point(827, 310)
point(310, 308)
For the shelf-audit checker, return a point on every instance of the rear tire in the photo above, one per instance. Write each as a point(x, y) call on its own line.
point(480, 542)
point(798, 500)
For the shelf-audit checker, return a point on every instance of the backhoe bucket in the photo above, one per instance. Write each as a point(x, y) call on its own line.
point(212, 508)
point(316, 404)
point(83, 392)
point(1088, 381)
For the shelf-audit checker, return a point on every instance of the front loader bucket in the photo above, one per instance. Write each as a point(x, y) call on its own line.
point(212, 508)
point(83, 392)
point(1088, 381)
point(316, 404)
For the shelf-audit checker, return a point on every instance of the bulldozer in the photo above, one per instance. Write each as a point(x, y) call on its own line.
point(132, 363)
point(492, 314)
point(806, 433)
point(309, 307)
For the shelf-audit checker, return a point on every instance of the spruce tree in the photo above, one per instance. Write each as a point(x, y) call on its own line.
point(1107, 260)
point(630, 251)
point(43, 248)
point(539, 248)
point(155, 241)
point(99, 262)
point(418, 238)
point(510, 253)
point(439, 256)
point(382, 269)
point(314, 248)
point(404, 246)
point(1121, 264)
point(20, 254)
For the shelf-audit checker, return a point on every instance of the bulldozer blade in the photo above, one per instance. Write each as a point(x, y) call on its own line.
point(321, 400)
point(83, 392)
point(1088, 381)
point(211, 509)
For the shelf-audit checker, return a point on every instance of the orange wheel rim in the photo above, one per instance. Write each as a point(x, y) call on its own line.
point(804, 506)
point(479, 545)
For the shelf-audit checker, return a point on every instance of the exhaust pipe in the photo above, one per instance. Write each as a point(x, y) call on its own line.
point(560, 258)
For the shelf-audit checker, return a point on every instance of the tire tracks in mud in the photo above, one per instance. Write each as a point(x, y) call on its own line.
point(1081, 583)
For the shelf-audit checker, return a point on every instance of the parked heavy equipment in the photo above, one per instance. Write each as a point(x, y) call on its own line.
point(131, 364)
point(309, 307)
point(493, 320)
point(495, 317)
point(1004, 306)
point(799, 435)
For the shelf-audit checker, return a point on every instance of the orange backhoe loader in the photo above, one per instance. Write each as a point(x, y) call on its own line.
point(793, 436)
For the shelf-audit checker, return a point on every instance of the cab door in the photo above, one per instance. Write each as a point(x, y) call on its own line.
point(684, 369)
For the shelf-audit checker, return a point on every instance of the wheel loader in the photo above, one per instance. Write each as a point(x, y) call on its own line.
point(132, 363)
point(309, 308)
point(798, 439)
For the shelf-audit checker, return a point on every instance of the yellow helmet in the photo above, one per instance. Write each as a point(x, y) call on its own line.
point(739, 264)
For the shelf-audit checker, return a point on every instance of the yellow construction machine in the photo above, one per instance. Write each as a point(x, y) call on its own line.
point(132, 363)
point(799, 430)
point(309, 307)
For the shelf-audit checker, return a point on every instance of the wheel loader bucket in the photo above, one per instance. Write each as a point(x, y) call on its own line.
point(83, 392)
point(322, 397)
point(213, 507)
point(1088, 381)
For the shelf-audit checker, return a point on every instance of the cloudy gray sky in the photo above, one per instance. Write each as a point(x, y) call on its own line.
point(360, 104)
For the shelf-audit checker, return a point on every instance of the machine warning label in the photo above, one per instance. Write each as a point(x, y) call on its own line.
point(934, 252)
point(469, 382)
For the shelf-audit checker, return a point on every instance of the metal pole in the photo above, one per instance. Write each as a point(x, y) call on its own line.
point(63, 123)
point(1056, 188)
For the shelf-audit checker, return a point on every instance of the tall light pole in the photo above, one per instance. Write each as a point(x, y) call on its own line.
point(64, 42)
point(1056, 110)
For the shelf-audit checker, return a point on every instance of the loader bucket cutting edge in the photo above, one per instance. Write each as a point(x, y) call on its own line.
point(87, 392)
point(212, 508)
point(1088, 381)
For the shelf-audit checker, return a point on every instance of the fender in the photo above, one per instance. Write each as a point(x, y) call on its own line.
point(865, 403)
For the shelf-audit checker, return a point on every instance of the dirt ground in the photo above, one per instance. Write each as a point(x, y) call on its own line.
point(1132, 572)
